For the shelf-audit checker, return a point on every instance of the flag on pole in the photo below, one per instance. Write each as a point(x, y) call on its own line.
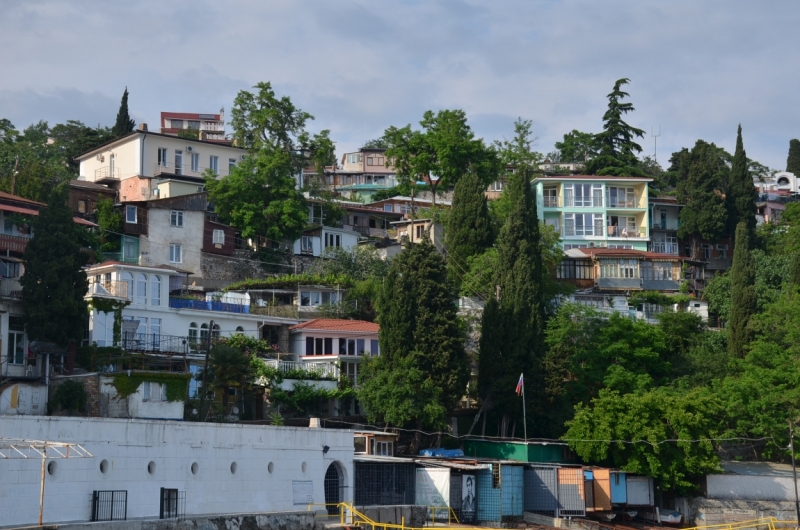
point(520, 384)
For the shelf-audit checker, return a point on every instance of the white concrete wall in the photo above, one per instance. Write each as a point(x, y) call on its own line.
point(749, 487)
point(24, 398)
point(154, 247)
point(135, 406)
point(128, 446)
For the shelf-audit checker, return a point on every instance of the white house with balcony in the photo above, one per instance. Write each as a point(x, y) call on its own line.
point(590, 211)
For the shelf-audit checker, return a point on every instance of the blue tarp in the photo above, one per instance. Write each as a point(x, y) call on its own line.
point(445, 453)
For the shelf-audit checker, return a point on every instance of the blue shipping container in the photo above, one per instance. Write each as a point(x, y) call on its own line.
point(619, 488)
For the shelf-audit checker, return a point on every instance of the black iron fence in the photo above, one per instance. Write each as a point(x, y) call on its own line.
point(157, 342)
point(172, 505)
point(109, 505)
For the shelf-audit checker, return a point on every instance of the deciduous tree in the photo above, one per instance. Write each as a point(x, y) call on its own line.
point(577, 146)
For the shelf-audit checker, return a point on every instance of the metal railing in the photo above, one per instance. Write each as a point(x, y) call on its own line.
point(107, 172)
point(109, 505)
point(770, 523)
point(156, 342)
point(551, 201)
point(204, 305)
point(186, 169)
point(10, 288)
point(665, 248)
point(624, 202)
point(327, 370)
point(591, 231)
point(594, 201)
point(350, 516)
point(624, 231)
point(118, 256)
point(665, 224)
point(284, 311)
point(13, 243)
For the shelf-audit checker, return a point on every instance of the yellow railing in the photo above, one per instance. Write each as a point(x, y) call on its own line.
point(771, 523)
point(436, 510)
point(349, 516)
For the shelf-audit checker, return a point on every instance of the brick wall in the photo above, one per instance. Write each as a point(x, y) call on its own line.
point(91, 382)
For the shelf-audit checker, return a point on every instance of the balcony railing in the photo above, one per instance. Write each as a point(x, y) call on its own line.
point(551, 201)
point(624, 231)
point(10, 288)
point(203, 305)
point(185, 169)
point(582, 231)
point(584, 201)
point(665, 224)
point(624, 202)
point(107, 172)
point(325, 370)
point(117, 256)
point(156, 342)
point(284, 311)
point(13, 243)
point(665, 248)
point(116, 288)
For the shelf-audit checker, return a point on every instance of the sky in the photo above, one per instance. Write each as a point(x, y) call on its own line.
point(697, 69)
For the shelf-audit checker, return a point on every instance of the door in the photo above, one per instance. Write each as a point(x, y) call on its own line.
point(663, 220)
point(333, 488)
point(178, 162)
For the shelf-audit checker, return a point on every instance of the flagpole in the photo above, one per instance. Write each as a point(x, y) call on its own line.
point(524, 415)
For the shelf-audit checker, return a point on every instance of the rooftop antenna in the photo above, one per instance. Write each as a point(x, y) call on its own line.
point(655, 143)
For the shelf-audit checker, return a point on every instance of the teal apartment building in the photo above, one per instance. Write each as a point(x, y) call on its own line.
point(590, 211)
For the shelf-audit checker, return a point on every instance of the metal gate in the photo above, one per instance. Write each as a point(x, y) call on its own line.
point(172, 505)
point(333, 488)
point(109, 505)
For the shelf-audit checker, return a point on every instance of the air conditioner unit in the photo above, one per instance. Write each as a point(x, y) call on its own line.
point(101, 158)
point(591, 245)
point(243, 157)
point(189, 149)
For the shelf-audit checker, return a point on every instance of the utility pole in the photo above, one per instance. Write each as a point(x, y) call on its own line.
point(205, 370)
point(794, 471)
point(655, 143)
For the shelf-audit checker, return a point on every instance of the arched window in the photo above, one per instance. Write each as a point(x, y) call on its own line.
point(155, 290)
point(239, 329)
point(203, 333)
point(141, 289)
point(193, 333)
point(127, 277)
point(783, 181)
point(215, 332)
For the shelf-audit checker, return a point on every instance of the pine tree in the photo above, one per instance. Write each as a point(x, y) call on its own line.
point(743, 295)
point(469, 227)
point(423, 369)
point(124, 123)
point(54, 282)
point(793, 160)
point(512, 337)
point(741, 193)
point(617, 143)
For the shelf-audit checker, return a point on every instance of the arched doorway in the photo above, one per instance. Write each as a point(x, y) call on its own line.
point(334, 488)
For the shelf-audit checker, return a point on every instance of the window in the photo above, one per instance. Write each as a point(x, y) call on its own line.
point(203, 333)
point(583, 195)
point(141, 289)
point(163, 391)
point(329, 298)
point(315, 298)
point(622, 226)
point(656, 270)
point(333, 240)
point(162, 157)
point(575, 269)
point(706, 251)
point(387, 208)
point(382, 448)
point(9, 269)
point(111, 164)
point(8, 225)
point(193, 124)
point(127, 277)
point(175, 255)
point(130, 248)
point(497, 185)
point(195, 162)
point(82, 206)
point(16, 340)
point(360, 444)
point(420, 231)
point(146, 391)
point(215, 331)
point(351, 346)
point(193, 333)
point(218, 237)
point(354, 158)
point(213, 164)
point(583, 224)
point(360, 344)
point(621, 197)
point(305, 298)
point(155, 333)
point(306, 244)
point(239, 330)
point(178, 162)
point(176, 218)
point(374, 347)
point(328, 346)
point(155, 290)
point(130, 214)
point(623, 268)
point(177, 124)
point(231, 163)
point(722, 251)
point(309, 345)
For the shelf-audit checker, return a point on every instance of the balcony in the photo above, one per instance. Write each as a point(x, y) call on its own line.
point(107, 173)
point(552, 201)
point(323, 370)
point(665, 248)
point(625, 202)
point(625, 232)
point(168, 169)
point(203, 305)
point(13, 243)
point(157, 343)
point(10, 288)
point(118, 256)
point(665, 224)
point(111, 289)
point(584, 201)
point(582, 231)
point(281, 311)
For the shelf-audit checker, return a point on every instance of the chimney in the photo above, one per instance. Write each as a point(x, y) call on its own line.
point(143, 127)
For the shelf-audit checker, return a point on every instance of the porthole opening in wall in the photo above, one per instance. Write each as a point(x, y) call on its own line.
point(304, 466)
point(151, 467)
point(233, 467)
point(51, 468)
point(104, 467)
point(271, 467)
point(194, 468)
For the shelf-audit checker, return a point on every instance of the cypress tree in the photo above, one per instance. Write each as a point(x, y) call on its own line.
point(54, 282)
point(469, 228)
point(512, 337)
point(794, 270)
point(423, 368)
point(793, 160)
point(741, 194)
point(124, 123)
point(743, 294)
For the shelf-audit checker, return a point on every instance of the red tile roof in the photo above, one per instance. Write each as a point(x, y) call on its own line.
point(333, 324)
point(629, 253)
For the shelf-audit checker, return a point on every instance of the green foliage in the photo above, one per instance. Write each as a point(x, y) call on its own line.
point(577, 147)
point(445, 148)
point(247, 344)
point(111, 306)
point(30, 165)
point(124, 123)
point(228, 367)
point(276, 419)
point(74, 138)
point(793, 160)
point(469, 228)
point(741, 194)
point(519, 152)
point(630, 432)
point(70, 396)
point(177, 383)
point(54, 282)
point(291, 280)
point(423, 369)
point(743, 294)
point(616, 145)
point(110, 221)
point(512, 330)
point(308, 399)
point(700, 177)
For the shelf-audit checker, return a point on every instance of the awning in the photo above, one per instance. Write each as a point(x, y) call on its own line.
point(82, 221)
point(17, 209)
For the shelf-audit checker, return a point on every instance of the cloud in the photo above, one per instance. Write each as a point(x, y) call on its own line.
point(697, 68)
